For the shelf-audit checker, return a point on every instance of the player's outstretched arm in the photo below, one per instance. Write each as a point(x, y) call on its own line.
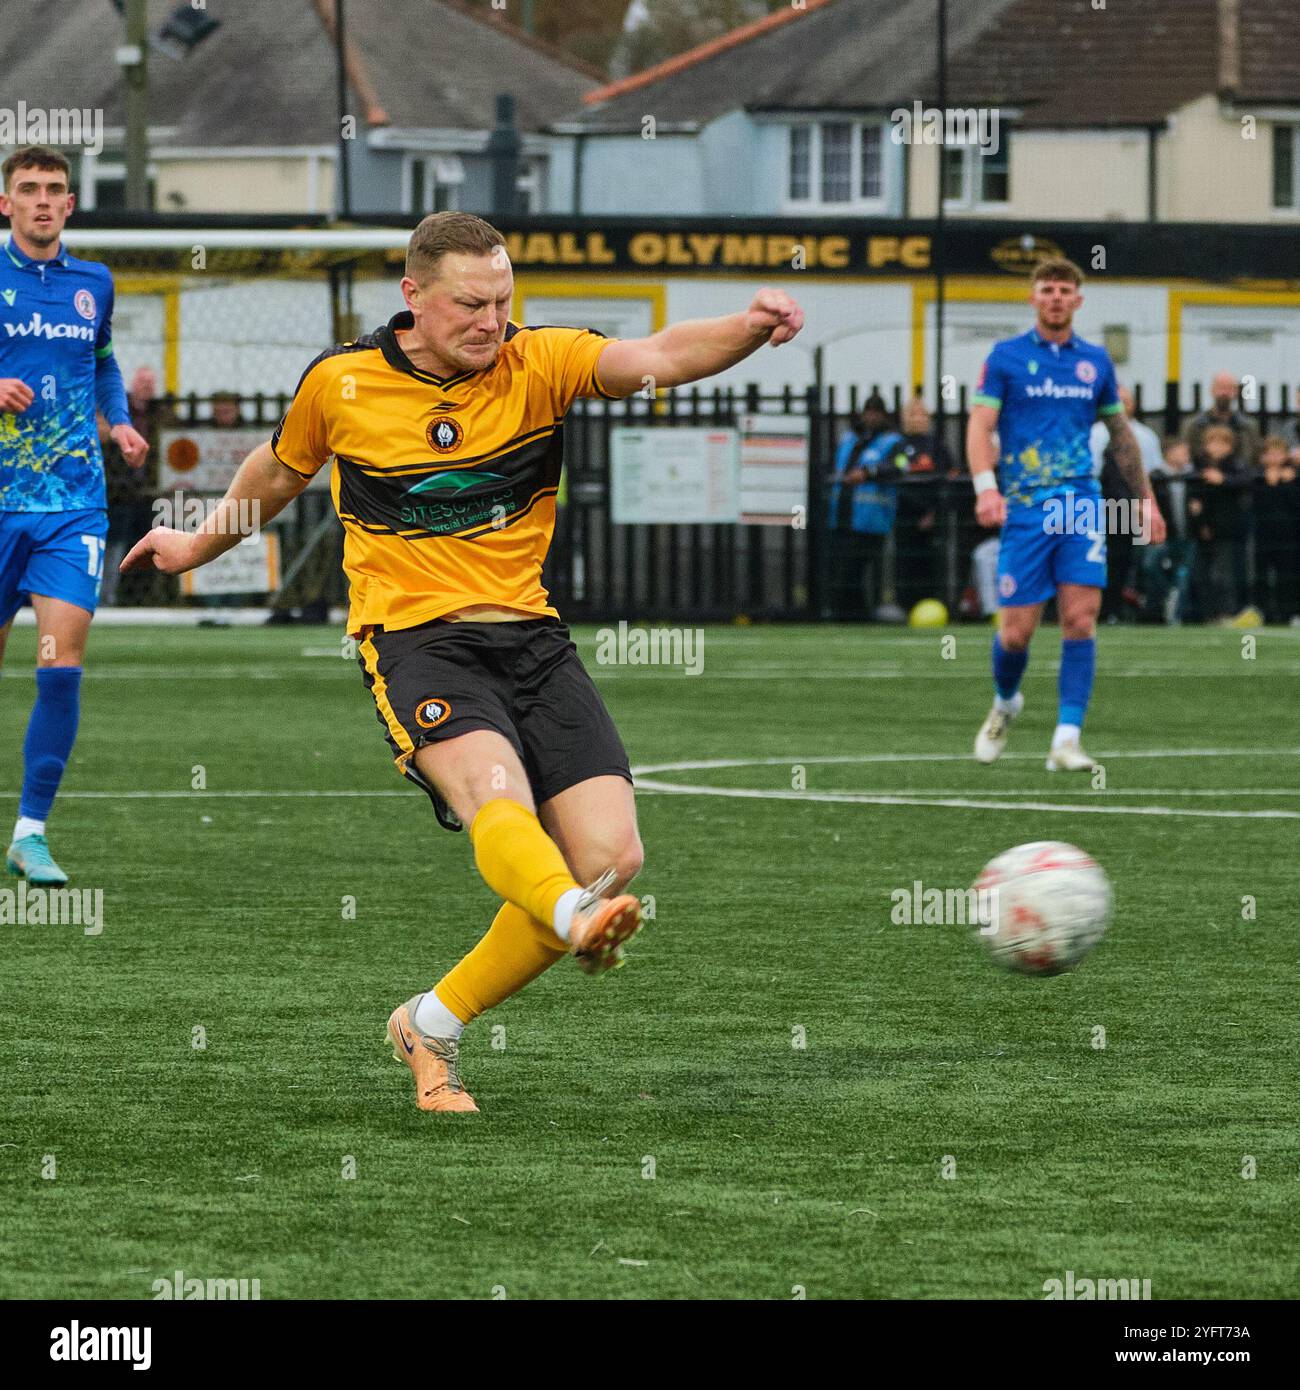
point(982, 458)
point(1127, 454)
point(265, 487)
point(698, 348)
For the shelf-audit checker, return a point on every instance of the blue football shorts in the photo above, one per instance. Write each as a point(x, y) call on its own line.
point(1044, 548)
point(58, 554)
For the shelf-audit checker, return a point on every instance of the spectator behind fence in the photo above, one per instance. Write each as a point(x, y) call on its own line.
point(226, 413)
point(1221, 529)
point(862, 509)
point(1277, 534)
point(924, 460)
point(1289, 433)
point(1224, 414)
point(129, 486)
point(1119, 597)
point(1166, 570)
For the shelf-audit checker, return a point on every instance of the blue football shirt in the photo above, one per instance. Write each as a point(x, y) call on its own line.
point(55, 332)
point(1048, 396)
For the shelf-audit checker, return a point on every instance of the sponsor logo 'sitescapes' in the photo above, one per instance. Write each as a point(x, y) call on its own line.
point(26, 906)
point(37, 327)
point(58, 125)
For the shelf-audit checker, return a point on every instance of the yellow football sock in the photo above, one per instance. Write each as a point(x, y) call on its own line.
point(516, 949)
point(519, 860)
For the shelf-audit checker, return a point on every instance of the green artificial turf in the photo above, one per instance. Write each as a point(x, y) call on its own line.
point(776, 1167)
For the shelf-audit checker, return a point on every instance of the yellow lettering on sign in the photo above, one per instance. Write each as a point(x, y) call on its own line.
point(704, 248)
point(833, 252)
point(597, 252)
point(915, 252)
point(540, 246)
point(742, 250)
point(646, 248)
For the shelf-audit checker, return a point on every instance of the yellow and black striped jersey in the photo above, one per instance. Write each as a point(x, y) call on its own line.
point(445, 485)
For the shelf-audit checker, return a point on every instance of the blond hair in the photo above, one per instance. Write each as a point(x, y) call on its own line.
point(442, 233)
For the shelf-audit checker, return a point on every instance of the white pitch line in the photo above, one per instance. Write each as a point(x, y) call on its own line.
point(703, 764)
point(958, 803)
point(209, 795)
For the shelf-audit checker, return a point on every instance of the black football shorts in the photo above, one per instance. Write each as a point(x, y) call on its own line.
point(522, 679)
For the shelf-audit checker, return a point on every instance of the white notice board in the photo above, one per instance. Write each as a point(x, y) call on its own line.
point(675, 476)
point(773, 468)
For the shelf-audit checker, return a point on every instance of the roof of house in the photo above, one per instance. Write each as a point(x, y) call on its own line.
point(1057, 62)
point(266, 76)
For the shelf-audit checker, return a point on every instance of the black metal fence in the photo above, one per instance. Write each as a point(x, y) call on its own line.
point(599, 570)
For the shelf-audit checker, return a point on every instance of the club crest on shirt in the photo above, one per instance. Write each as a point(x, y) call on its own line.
point(84, 304)
point(1006, 585)
point(431, 712)
point(1086, 372)
point(444, 434)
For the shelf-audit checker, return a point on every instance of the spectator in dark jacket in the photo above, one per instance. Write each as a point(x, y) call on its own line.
point(924, 461)
point(1277, 534)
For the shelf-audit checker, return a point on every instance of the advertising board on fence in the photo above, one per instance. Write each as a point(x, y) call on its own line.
point(674, 476)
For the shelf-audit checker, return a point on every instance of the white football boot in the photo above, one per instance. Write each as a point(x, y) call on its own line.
point(992, 737)
point(1069, 757)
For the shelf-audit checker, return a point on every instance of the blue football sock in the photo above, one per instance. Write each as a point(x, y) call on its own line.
point(51, 732)
point(1008, 667)
point(1078, 664)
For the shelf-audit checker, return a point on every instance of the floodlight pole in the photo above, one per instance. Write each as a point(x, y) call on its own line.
point(341, 83)
point(132, 58)
point(937, 249)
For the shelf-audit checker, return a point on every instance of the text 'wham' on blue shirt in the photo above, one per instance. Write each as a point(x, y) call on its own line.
point(1048, 396)
point(56, 335)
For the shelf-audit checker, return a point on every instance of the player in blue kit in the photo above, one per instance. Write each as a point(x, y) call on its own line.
point(56, 367)
point(1038, 398)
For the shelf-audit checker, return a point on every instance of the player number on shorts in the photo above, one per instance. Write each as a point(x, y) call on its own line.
point(95, 561)
point(1097, 550)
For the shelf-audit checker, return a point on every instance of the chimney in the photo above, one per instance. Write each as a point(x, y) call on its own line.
point(1229, 48)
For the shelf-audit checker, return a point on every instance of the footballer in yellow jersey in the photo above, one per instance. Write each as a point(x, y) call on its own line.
point(444, 431)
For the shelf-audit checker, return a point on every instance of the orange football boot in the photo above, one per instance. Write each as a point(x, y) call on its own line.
point(432, 1062)
point(600, 926)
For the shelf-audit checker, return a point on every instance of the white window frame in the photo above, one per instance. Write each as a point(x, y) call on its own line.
point(434, 165)
point(970, 160)
point(1291, 209)
point(855, 203)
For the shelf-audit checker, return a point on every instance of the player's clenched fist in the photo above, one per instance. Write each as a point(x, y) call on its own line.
point(170, 551)
point(15, 395)
point(775, 313)
point(990, 508)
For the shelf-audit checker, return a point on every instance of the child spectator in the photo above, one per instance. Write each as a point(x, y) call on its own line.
point(1277, 534)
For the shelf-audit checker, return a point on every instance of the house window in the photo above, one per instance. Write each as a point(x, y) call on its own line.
point(870, 164)
point(972, 178)
point(835, 164)
point(800, 162)
point(1284, 167)
point(433, 183)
